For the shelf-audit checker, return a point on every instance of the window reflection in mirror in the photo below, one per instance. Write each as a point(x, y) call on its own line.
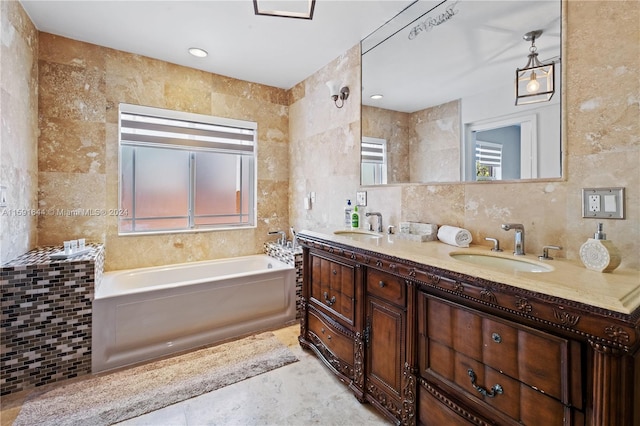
point(373, 157)
point(457, 75)
point(506, 149)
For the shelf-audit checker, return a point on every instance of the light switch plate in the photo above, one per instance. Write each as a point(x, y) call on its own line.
point(603, 203)
point(361, 198)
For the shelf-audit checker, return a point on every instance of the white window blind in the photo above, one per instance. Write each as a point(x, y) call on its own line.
point(373, 161)
point(145, 126)
point(489, 154)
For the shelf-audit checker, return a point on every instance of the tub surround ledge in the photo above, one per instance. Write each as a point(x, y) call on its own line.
point(46, 317)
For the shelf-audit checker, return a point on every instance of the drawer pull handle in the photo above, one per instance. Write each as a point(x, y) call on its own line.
point(335, 272)
point(329, 337)
point(496, 338)
point(381, 284)
point(322, 330)
point(328, 301)
point(495, 389)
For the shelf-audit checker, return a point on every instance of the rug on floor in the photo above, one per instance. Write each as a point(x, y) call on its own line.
point(124, 394)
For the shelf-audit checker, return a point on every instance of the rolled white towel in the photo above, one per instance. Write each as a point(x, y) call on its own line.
point(454, 236)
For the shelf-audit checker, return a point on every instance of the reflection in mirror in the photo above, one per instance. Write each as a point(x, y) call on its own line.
point(444, 73)
point(373, 153)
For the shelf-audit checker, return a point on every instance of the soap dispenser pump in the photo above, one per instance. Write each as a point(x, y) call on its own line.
point(599, 254)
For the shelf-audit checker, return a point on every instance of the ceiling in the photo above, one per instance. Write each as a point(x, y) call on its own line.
point(464, 48)
point(273, 51)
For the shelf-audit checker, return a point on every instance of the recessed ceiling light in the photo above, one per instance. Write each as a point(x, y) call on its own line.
point(377, 96)
point(197, 52)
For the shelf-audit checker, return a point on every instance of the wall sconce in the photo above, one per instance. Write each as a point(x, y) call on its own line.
point(534, 82)
point(337, 93)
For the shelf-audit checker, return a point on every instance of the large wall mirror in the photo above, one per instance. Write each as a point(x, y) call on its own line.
point(439, 97)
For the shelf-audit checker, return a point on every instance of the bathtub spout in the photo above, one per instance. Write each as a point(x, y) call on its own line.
point(283, 237)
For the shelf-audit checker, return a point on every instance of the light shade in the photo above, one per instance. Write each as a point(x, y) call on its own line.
point(536, 81)
point(535, 84)
point(302, 9)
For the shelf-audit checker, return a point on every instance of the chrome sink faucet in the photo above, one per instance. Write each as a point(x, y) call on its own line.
point(379, 227)
point(518, 247)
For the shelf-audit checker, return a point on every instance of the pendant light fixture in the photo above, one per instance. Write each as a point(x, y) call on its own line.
point(535, 82)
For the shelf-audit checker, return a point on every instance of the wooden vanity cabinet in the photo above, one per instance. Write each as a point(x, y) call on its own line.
point(434, 347)
point(385, 341)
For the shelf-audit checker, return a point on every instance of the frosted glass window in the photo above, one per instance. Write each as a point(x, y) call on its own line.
point(222, 188)
point(181, 171)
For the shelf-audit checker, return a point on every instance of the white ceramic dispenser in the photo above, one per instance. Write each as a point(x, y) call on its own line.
point(599, 254)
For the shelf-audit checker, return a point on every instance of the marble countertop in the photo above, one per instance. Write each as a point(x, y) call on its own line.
point(618, 291)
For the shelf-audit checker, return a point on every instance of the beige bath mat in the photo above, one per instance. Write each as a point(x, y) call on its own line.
point(111, 398)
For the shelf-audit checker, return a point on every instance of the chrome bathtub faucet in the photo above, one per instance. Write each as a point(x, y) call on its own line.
point(283, 237)
point(518, 245)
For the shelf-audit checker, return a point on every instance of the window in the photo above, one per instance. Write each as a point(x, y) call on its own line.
point(182, 171)
point(488, 161)
point(373, 161)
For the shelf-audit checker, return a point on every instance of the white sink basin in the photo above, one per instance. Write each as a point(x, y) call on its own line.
point(357, 234)
point(501, 263)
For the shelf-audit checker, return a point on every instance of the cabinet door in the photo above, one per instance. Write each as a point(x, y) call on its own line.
point(386, 325)
point(333, 288)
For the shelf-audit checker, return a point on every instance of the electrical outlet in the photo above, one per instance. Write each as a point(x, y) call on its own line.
point(603, 203)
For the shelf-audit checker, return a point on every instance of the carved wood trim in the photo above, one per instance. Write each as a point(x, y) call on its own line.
point(612, 386)
point(332, 360)
point(381, 397)
point(450, 404)
point(358, 361)
point(409, 391)
point(303, 316)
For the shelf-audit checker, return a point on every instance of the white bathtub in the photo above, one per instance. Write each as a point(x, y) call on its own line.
point(141, 314)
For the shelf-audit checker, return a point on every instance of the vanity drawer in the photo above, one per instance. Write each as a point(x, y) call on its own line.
point(331, 338)
point(386, 286)
point(531, 357)
point(333, 288)
point(505, 394)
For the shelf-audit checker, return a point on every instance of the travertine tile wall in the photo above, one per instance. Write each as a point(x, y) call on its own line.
point(423, 146)
point(324, 146)
point(437, 160)
point(602, 133)
point(19, 127)
point(392, 126)
point(80, 87)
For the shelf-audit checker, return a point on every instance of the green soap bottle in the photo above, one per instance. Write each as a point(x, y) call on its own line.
point(355, 218)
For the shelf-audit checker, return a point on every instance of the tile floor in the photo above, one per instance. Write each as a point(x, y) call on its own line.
point(302, 393)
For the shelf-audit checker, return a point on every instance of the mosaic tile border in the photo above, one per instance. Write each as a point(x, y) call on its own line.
point(290, 257)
